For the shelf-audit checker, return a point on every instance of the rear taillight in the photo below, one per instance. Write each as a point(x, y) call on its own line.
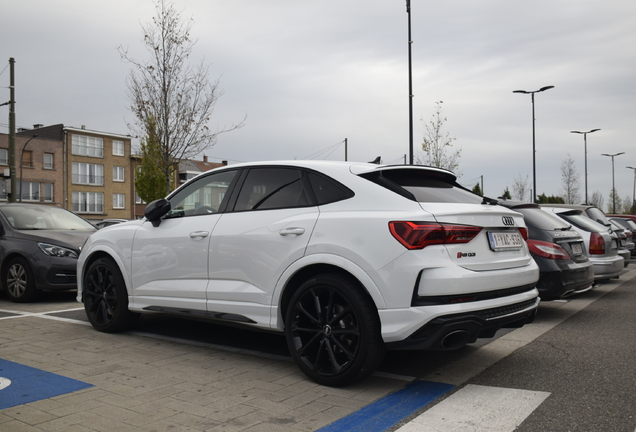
point(524, 233)
point(418, 235)
point(547, 250)
point(597, 244)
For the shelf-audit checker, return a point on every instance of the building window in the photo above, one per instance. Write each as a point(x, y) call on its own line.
point(118, 148)
point(118, 174)
point(118, 201)
point(138, 200)
point(88, 202)
point(48, 161)
point(27, 158)
point(90, 174)
point(4, 156)
point(48, 192)
point(30, 191)
point(87, 146)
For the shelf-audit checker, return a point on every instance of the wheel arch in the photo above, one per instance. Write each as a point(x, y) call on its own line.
point(303, 270)
point(90, 259)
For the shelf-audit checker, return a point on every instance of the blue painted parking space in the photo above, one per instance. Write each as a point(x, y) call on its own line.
point(385, 413)
point(21, 384)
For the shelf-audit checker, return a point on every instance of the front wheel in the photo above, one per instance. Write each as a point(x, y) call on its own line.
point(333, 331)
point(18, 281)
point(106, 297)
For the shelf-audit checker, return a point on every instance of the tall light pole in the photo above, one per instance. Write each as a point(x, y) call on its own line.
point(634, 192)
point(613, 187)
point(22, 163)
point(408, 12)
point(585, 144)
point(534, 159)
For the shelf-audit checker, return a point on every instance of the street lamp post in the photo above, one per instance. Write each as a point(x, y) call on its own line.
point(585, 144)
point(534, 159)
point(613, 186)
point(22, 163)
point(634, 192)
point(408, 11)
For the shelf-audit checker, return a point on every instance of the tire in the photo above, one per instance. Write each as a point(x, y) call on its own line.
point(333, 331)
point(106, 297)
point(18, 281)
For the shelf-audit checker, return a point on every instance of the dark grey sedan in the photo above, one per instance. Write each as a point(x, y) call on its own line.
point(39, 246)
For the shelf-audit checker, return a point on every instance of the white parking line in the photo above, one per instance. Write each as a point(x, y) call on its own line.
point(478, 408)
point(47, 315)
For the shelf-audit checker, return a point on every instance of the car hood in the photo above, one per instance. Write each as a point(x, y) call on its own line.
point(73, 239)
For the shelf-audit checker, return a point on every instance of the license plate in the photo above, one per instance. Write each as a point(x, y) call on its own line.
point(505, 241)
point(577, 249)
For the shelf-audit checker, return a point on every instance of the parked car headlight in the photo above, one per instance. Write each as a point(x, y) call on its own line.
point(57, 251)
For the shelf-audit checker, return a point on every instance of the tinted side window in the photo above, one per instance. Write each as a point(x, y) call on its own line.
point(272, 188)
point(203, 196)
point(539, 219)
point(327, 190)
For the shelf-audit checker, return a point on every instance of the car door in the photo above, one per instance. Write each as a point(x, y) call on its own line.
point(269, 227)
point(170, 261)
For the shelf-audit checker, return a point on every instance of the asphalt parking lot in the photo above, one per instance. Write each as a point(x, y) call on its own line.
point(173, 374)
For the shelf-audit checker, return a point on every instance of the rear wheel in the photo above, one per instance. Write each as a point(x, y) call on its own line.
point(106, 297)
point(333, 331)
point(18, 281)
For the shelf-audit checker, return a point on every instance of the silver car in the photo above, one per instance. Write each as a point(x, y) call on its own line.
point(600, 242)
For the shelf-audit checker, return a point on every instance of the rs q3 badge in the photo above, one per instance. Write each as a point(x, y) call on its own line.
point(465, 254)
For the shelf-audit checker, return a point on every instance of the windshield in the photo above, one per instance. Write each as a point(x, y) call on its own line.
point(584, 223)
point(44, 218)
point(541, 220)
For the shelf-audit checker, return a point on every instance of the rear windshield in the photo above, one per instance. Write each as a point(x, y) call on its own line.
point(597, 215)
point(423, 186)
point(584, 222)
point(541, 220)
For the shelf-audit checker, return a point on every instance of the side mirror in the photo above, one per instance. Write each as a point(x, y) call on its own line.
point(156, 210)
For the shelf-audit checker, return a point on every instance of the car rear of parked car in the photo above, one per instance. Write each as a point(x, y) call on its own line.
point(346, 259)
point(558, 250)
point(601, 243)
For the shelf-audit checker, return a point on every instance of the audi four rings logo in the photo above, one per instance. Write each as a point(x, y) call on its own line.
point(508, 221)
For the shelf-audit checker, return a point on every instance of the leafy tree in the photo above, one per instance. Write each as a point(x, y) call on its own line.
point(544, 199)
point(150, 179)
point(506, 194)
point(570, 181)
point(437, 145)
point(477, 189)
point(166, 90)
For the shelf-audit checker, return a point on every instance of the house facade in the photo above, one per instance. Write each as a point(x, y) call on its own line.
point(85, 171)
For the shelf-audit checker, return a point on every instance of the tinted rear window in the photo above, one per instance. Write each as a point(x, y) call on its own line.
point(423, 187)
point(539, 219)
point(597, 215)
point(584, 223)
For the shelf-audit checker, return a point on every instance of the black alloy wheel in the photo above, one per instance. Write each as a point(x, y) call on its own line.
point(18, 281)
point(333, 331)
point(106, 297)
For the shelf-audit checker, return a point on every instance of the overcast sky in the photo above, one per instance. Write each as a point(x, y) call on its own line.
point(309, 74)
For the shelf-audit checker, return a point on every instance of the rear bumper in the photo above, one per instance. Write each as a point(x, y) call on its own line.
point(607, 267)
point(448, 332)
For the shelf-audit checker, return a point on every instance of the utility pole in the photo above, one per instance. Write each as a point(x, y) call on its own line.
point(345, 149)
point(12, 128)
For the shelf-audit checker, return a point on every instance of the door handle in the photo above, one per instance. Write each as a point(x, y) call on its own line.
point(292, 231)
point(199, 234)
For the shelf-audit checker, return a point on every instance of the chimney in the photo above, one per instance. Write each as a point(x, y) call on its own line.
point(83, 127)
point(37, 126)
point(224, 162)
point(205, 159)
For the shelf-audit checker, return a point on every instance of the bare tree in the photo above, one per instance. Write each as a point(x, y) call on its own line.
point(520, 188)
point(597, 199)
point(169, 93)
point(437, 145)
point(570, 181)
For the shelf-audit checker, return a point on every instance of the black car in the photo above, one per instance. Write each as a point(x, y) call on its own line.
point(39, 246)
point(558, 250)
